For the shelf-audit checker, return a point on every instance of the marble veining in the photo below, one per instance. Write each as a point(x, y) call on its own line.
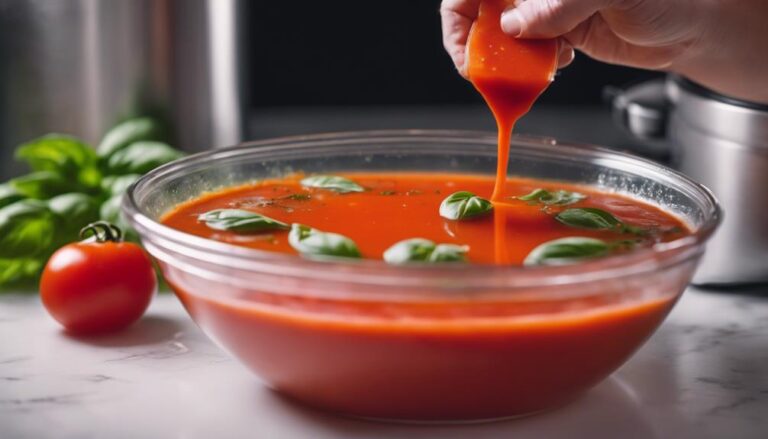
point(703, 375)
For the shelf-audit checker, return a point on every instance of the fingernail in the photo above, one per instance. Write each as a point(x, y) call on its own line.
point(511, 22)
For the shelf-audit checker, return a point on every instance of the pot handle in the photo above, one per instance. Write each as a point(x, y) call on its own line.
point(642, 109)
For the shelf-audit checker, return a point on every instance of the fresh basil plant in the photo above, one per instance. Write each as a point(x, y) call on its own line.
point(27, 229)
point(141, 157)
point(73, 210)
point(9, 195)
point(128, 132)
point(69, 186)
point(65, 156)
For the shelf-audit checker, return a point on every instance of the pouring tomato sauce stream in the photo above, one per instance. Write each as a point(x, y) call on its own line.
point(510, 74)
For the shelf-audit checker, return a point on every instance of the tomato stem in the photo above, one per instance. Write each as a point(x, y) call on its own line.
point(102, 231)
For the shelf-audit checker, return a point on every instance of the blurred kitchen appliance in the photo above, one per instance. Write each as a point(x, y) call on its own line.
point(80, 66)
point(722, 143)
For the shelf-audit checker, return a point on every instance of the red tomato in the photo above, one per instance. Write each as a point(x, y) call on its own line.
point(98, 285)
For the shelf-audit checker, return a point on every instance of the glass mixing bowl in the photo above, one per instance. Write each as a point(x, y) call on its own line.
point(440, 343)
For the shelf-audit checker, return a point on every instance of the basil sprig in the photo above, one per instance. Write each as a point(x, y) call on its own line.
point(567, 251)
point(315, 243)
point(424, 250)
point(334, 183)
point(556, 198)
point(595, 219)
point(240, 221)
point(464, 205)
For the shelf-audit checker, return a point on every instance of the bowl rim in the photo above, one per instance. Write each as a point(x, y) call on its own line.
point(376, 272)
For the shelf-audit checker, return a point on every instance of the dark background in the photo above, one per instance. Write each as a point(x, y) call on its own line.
point(385, 53)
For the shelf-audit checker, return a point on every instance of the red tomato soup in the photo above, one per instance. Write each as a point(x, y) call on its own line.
point(450, 359)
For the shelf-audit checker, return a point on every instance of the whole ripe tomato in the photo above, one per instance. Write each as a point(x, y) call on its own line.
point(99, 284)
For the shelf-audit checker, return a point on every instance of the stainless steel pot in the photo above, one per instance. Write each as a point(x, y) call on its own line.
point(722, 143)
point(78, 66)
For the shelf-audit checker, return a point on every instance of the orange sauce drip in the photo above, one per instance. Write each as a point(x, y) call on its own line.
point(509, 73)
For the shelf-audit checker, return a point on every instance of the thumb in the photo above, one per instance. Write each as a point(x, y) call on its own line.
point(548, 18)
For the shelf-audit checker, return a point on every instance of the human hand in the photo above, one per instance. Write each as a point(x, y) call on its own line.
point(457, 18)
point(718, 43)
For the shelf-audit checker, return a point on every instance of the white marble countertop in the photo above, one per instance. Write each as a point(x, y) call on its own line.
point(703, 375)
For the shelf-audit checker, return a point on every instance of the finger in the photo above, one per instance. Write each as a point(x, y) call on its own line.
point(565, 53)
point(549, 18)
point(596, 39)
point(457, 17)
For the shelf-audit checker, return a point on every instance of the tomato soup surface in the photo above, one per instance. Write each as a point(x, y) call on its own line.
point(395, 207)
point(422, 360)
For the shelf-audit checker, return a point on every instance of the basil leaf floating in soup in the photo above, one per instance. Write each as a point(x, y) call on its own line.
point(424, 250)
point(567, 251)
point(464, 205)
point(332, 183)
point(556, 198)
point(240, 221)
point(595, 219)
point(588, 218)
point(313, 243)
point(449, 253)
point(409, 250)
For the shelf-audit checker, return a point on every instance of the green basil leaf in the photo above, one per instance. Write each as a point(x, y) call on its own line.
point(409, 250)
point(63, 155)
point(464, 205)
point(75, 211)
point(589, 218)
point(424, 250)
point(449, 253)
point(332, 183)
point(141, 157)
point(118, 184)
point(240, 221)
point(27, 229)
point(110, 210)
point(19, 271)
point(556, 198)
point(9, 195)
point(567, 251)
point(596, 219)
point(313, 243)
point(128, 132)
point(43, 185)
